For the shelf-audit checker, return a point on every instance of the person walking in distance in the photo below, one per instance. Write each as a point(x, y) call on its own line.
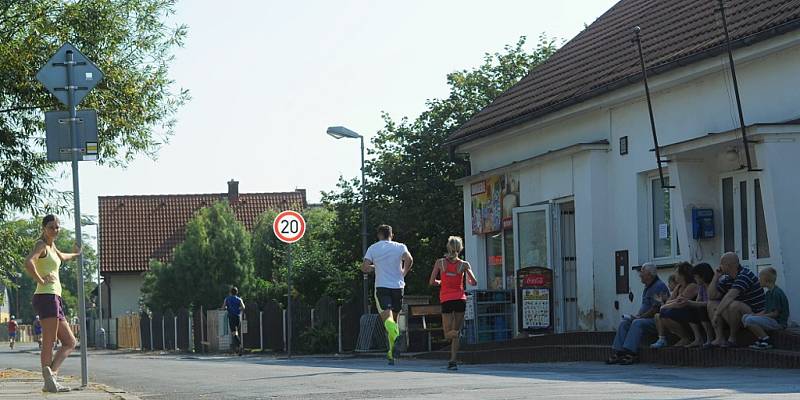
point(42, 264)
point(391, 262)
point(234, 305)
point(12, 332)
point(37, 331)
point(451, 272)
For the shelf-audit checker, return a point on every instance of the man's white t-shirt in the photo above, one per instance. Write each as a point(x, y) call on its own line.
point(388, 259)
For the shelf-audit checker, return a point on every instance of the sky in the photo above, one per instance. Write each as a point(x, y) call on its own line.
point(268, 77)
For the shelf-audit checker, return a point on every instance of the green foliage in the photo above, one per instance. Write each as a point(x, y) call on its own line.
point(411, 176)
point(316, 268)
point(268, 251)
point(22, 235)
point(318, 340)
point(214, 256)
point(129, 41)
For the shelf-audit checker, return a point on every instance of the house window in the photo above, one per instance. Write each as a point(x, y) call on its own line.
point(500, 260)
point(494, 261)
point(664, 238)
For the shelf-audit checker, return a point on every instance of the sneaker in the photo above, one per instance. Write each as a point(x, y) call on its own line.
point(614, 359)
point(390, 361)
point(761, 345)
point(50, 384)
point(660, 343)
point(628, 359)
point(452, 366)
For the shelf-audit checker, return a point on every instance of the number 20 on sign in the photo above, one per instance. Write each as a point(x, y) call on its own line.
point(289, 226)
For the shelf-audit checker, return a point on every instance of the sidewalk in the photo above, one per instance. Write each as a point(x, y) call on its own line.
point(22, 384)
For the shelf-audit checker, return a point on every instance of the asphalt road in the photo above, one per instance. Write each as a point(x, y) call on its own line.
point(153, 376)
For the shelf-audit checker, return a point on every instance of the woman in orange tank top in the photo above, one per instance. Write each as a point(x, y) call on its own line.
point(451, 272)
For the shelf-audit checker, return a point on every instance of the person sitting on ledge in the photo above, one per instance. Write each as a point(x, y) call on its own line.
point(632, 327)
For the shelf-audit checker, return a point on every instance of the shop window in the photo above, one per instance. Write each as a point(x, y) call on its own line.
point(494, 261)
point(500, 260)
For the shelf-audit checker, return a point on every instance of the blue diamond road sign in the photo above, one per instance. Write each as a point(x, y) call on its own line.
point(53, 75)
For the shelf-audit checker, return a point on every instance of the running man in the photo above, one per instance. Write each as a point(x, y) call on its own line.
point(12, 331)
point(450, 272)
point(391, 261)
point(37, 331)
point(234, 304)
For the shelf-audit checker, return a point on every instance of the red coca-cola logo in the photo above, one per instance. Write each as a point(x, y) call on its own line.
point(535, 280)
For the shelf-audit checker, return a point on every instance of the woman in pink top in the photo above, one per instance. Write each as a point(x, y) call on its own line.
point(451, 272)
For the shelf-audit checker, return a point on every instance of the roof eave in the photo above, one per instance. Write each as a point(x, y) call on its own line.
point(631, 79)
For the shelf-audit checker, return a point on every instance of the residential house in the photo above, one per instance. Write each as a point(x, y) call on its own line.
point(133, 230)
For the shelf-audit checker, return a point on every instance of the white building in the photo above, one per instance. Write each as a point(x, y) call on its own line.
point(570, 146)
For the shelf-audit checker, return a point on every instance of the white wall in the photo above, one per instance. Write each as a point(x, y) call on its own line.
point(125, 292)
point(781, 188)
point(611, 190)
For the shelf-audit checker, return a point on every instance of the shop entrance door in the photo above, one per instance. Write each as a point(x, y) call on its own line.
point(533, 247)
point(744, 225)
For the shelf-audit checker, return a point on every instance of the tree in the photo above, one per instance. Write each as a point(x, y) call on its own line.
point(129, 41)
point(316, 268)
point(214, 256)
point(23, 235)
point(411, 176)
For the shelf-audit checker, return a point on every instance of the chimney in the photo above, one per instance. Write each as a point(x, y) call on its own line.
point(233, 191)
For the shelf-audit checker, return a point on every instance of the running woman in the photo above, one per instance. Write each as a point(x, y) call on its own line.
point(450, 272)
point(43, 264)
point(391, 262)
point(235, 305)
point(12, 331)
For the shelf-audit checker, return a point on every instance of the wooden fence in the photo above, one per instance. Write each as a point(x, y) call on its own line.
point(129, 332)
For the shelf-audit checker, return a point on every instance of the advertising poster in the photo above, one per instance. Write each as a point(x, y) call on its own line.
point(535, 309)
point(493, 200)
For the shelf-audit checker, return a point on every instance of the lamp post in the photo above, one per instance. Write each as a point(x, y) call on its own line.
point(339, 132)
point(88, 221)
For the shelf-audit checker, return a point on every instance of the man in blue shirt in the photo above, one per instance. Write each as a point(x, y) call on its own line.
point(734, 292)
point(632, 327)
point(234, 304)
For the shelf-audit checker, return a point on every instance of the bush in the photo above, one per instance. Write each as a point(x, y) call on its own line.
point(321, 339)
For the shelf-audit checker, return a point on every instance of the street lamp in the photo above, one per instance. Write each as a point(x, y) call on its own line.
point(101, 332)
point(339, 132)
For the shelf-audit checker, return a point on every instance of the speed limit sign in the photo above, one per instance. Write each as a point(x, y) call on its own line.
point(289, 226)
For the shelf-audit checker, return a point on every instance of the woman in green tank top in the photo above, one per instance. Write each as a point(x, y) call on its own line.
point(42, 264)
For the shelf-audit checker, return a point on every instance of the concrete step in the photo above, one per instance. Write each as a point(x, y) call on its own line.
point(596, 346)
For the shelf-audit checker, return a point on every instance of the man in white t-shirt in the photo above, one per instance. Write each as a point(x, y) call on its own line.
point(391, 261)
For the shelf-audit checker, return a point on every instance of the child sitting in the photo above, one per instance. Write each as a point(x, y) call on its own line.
point(775, 314)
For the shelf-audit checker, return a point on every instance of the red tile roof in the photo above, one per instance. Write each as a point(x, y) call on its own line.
point(602, 58)
point(135, 229)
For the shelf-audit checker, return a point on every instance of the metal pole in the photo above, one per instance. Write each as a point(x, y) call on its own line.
point(100, 307)
point(73, 131)
point(365, 294)
point(261, 328)
point(175, 328)
point(637, 30)
point(289, 304)
point(736, 87)
point(340, 330)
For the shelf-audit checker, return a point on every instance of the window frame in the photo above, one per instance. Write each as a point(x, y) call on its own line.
point(675, 253)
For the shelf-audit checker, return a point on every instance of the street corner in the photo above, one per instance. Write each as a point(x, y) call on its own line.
point(19, 383)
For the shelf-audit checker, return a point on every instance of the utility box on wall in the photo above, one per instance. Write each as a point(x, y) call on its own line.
point(621, 271)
